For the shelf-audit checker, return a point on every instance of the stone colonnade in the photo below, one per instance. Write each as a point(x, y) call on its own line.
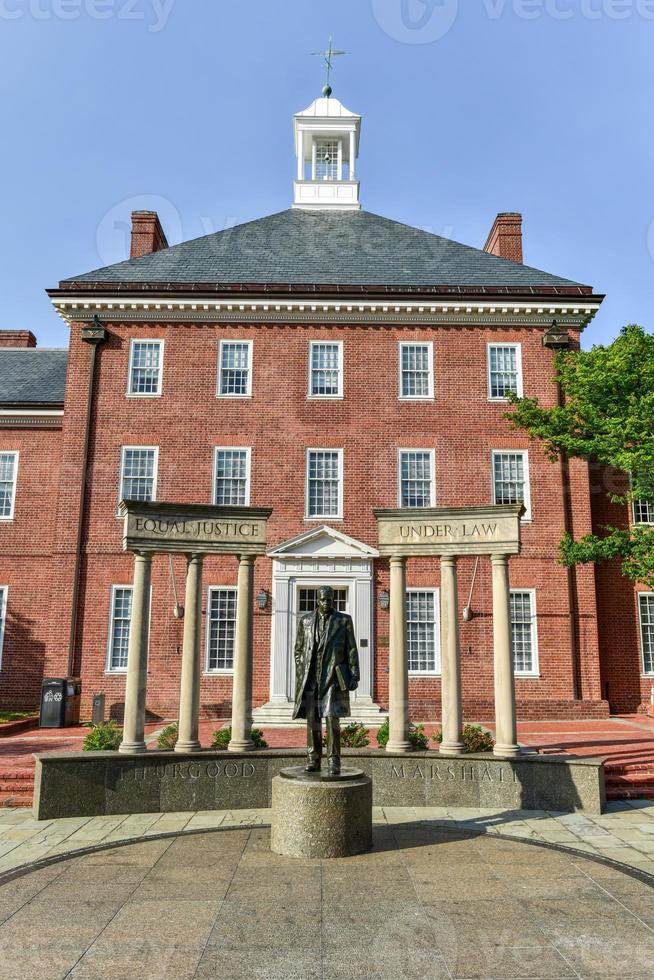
point(194, 531)
point(448, 533)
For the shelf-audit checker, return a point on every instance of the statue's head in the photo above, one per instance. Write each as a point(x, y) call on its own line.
point(325, 599)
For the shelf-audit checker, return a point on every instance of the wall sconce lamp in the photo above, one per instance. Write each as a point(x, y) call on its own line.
point(384, 599)
point(262, 599)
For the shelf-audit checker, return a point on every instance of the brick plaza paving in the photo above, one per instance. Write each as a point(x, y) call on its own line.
point(430, 900)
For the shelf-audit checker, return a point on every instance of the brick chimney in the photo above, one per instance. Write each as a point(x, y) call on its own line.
point(17, 338)
point(147, 234)
point(505, 238)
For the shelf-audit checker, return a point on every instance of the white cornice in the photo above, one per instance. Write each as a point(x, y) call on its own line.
point(577, 311)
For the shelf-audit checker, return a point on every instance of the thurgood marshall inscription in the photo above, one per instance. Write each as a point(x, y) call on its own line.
point(450, 530)
point(194, 528)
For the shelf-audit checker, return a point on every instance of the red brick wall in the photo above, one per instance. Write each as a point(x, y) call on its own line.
point(26, 565)
point(279, 423)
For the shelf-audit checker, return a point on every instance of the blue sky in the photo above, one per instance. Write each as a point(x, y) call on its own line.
point(469, 107)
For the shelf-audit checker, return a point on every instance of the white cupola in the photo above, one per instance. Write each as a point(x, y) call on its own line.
point(326, 147)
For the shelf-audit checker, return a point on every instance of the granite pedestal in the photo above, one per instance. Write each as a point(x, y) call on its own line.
point(315, 815)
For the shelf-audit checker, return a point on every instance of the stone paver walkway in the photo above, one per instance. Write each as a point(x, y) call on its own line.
point(425, 903)
point(625, 833)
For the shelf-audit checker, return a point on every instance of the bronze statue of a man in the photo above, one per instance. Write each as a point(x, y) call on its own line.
point(326, 670)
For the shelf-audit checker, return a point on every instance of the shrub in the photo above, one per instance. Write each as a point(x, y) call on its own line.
point(353, 736)
point(475, 739)
point(106, 736)
point(168, 736)
point(222, 736)
point(417, 738)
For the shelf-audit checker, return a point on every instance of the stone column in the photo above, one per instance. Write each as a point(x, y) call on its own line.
point(189, 693)
point(451, 712)
point(137, 657)
point(506, 737)
point(241, 740)
point(398, 682)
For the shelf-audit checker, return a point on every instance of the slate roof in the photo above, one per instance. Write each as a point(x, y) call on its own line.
point(330, 248)
point(32, 376)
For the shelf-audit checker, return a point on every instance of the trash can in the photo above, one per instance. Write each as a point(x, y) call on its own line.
point(60, 702)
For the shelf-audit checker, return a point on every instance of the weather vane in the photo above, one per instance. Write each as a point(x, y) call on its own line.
point(328, 56)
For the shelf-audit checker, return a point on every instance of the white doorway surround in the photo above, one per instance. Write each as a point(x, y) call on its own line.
point(320, 556)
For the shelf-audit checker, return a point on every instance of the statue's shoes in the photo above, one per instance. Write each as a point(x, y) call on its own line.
point(312, 767)
point(334, 770)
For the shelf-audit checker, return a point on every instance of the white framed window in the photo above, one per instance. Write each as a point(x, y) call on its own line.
point(422, 631)
point(643, 511)
point(511, 479)
point(416, 367)
point(326, 369)
point(145, 368)
point(120, 614)
point(327, 159)
point(235, 369)
point(8, 477)
point(504, 371)
point(221, 629)
point(415, 478)
point(138, 473)
point(231, 482)
point(646, 617)
point(324, 483)
point(3, 618)
point(524, 633)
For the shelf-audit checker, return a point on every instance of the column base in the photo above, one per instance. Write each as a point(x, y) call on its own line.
point(241, 745)
point(507, 751)
point(398, 747)
point(132, 748)
point(451, 748)
point(187, 746)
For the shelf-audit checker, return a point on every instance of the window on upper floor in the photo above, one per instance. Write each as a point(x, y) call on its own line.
point(416, 363)
point(504, 371)
point(326, 369)
point(643, 512)
point(120, 614)
point(145, 367)
point(138, 473)
point(524, 636)
point(646, 614)
point(511, 479)
point(324, 483)
point(235, 369)
point(221, 629)
point(8, 476)
point(3, 617)
point(232, 477)
point(422, 631)
point(416, 478)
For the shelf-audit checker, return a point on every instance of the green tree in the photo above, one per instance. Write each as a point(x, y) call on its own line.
point(607, 415)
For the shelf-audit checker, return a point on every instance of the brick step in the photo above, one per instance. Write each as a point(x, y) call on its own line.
point(630, 793)
point(15, 786)
point(630, 767)
point(637, 776)
point(15, 799)
point(9, 773)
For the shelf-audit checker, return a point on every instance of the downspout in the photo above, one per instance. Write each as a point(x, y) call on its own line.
point(94, 335)
point(557, 338)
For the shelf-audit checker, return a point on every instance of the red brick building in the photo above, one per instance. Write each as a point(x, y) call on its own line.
point(323, 361)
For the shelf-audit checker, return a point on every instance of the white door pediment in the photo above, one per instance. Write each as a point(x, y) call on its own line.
point(322, 542)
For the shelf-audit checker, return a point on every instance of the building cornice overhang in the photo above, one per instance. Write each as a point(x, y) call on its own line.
point(536, 310)
point(37, 416)
point(574, 306)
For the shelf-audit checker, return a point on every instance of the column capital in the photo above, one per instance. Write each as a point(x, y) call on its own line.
point(143, 555)
point(197, 557)
point(449, 560)
point(398, 560)
point(246, 559)
point(499, 559)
